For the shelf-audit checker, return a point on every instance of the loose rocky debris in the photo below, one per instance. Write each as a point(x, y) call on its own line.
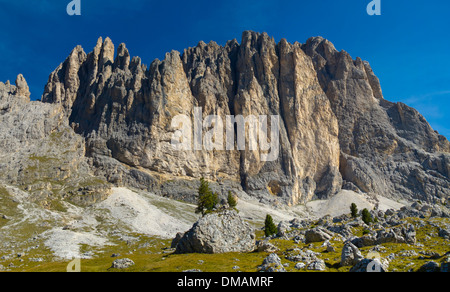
point(390, 228)
point(313, 240)
point(403, 234)
point(272, 263)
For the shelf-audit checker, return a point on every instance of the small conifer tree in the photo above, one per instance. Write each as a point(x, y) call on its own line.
point(354, 210)
point(207, 200)
point(231, 200)
point(269, 226)
point(366, 217)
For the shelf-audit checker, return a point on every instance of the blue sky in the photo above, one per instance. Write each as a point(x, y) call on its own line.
point(408, 45)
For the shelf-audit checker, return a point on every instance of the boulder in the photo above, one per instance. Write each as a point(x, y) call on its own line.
point(317, 234)
point(350, 255)
point(299, 266)
point(318, 265)
point(266, 246)
point(272, 263)
point(218, 232)
point(445, 232)
point(175, 241)
point(445, 265)
point(430, 266)
point(122, 263)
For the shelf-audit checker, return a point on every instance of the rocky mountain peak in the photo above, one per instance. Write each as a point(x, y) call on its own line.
point(20, 90)
point(22, 87)
point(336, 129)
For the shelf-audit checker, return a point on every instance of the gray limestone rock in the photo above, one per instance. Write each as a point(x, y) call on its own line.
point(350, 255)
point(41, 154)
point(125, 110)
point(317, 234)
point(335, 127)
point(386, 148)
point(122, 263)
point(272, 263)
point(218, 232)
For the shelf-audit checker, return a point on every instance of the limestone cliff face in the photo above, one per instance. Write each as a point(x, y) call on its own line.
point(386, 148)
point(335, 128)
point(40, 153)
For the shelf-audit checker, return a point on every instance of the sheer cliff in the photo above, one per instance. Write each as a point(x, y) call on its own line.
point(335, 128)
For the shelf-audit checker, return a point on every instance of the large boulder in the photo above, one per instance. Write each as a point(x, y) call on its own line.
point(445, 232)
point(317, 234)
point(218, 232)
point(350, 255)
point(430, 266)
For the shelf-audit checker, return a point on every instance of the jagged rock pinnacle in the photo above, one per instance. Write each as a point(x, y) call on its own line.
point(336, 128)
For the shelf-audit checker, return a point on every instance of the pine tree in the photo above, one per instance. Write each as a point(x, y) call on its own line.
point(231, 200)
point(366, 217)
point(269, 226)
point(207, 200)
point(354, 210)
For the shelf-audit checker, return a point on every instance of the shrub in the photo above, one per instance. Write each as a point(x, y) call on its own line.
point(269, 226)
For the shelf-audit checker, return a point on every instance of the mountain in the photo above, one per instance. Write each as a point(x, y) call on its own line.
point(41, 154)
point(106, 119)
point(336, 131)
point(108, 163)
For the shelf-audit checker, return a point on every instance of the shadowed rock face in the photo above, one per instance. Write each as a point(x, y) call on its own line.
point(334, 127)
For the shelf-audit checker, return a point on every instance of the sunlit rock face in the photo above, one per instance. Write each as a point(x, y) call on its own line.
point(334, 127)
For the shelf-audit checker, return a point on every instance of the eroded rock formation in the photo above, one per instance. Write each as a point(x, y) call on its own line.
point(335, 126)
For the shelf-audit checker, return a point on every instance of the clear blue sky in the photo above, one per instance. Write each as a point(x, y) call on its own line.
point(408, 46)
